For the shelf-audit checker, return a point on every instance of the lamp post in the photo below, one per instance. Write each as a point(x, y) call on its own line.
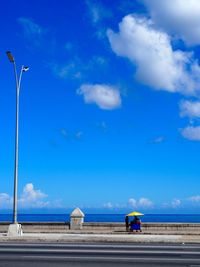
point(15, 228)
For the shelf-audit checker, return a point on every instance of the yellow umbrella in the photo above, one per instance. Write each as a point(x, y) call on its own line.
point(135, 213)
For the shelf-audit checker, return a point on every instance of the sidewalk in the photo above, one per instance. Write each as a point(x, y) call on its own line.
point(111, 238)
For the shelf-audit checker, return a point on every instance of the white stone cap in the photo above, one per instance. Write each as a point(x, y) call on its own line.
point(77, 213)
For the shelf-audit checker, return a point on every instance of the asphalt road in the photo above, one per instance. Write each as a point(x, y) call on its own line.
point(59, 254)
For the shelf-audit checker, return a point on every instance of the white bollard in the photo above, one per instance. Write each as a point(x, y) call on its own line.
point(15, 229)
point(76, 219)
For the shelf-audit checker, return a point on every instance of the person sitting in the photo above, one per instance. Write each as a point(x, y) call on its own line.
point(127, 223)
point(135, 224)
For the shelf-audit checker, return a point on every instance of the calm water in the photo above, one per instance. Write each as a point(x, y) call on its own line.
point(192, 218)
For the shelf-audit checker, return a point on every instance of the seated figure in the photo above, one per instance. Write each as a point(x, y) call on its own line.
point(135, 224)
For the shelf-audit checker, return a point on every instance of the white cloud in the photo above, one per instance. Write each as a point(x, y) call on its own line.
point(97, 11)
point(77, 68)
point(132, 202)
point(191, 133)
point(141, 203)
point(97, 62)
point(102, 126)
point(70, 70)
point(147, 43)
point(64, 132)
point(157, 140)
point(179, 17)
point(190, 109)
point(194, 198)
point(30, 27)
point(30, 193)
point(106, 97)
point(108, 205)
point(175, 203)
point(5, 201)
point(32, 198)
point(71, 135)
point(157, 64)
point(32, 31)
point(94, 12)
point(145, 203)
point(78, 135)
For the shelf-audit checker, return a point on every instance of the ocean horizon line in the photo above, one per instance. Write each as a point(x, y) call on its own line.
point(65, 217)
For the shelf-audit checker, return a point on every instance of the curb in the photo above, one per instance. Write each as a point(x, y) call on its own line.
point(106, 238)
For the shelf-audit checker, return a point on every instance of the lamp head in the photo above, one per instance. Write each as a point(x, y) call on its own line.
point(10, 57)
point(25, 68)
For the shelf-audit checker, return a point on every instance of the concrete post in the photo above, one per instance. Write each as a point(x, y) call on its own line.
point(76, 219)
point(15, 229)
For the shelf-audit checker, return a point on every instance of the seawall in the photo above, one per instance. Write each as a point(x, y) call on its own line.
point(114, 228)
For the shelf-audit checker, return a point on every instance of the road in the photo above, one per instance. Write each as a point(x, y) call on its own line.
point(68, 254)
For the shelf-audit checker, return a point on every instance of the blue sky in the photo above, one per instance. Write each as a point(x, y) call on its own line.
point(109, 110)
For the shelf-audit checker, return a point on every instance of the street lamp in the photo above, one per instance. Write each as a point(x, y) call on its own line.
point(15, 228)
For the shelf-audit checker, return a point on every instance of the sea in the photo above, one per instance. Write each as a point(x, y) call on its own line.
point(178, 218)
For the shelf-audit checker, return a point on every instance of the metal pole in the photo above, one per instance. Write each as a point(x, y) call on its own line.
point(15, 228)
point(16, 148)
point(20, 78)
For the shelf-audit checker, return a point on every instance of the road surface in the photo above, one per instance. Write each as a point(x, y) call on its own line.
point(68, 254)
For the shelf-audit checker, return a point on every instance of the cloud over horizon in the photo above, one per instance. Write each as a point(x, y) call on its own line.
point(5, 201)
point(195, 198)
point(176, 203)
point(30, 198)
point(140, 203)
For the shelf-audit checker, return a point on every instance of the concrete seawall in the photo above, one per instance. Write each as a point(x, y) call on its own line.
point(91, 227)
